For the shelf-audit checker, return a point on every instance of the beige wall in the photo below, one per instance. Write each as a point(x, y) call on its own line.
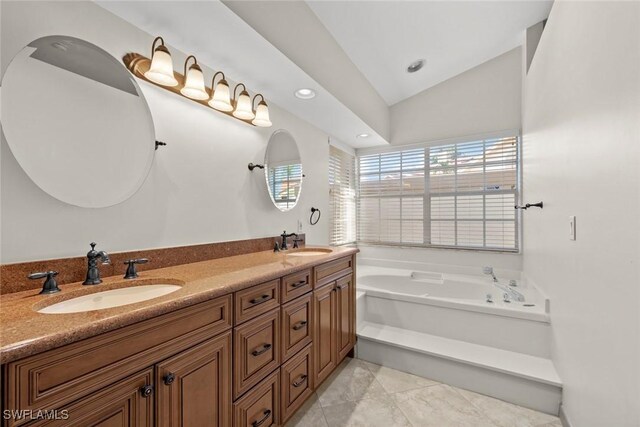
point(199, 188)
point(485, 99)
point(582, 158)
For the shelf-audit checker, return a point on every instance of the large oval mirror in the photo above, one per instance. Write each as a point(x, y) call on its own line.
point(77, 122)
point(283, 170)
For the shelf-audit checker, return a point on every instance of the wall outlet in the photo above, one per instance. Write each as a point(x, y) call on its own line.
point(572, 227)
point(299, 227)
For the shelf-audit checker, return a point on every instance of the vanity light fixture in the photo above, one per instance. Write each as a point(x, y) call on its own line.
point(161, 69)
point(305, 93)
point(221, 98)
point(242, 104)
point(193, 81)
point(262, 113)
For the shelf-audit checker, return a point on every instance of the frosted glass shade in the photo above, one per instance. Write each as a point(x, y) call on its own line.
point(161, 70)
point(221, 99)
point(243, 107)
point(262, 115)
point(194, 84)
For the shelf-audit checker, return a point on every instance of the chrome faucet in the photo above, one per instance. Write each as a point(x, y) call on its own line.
point(285, 236)
point(93, 274)
point(489, 270)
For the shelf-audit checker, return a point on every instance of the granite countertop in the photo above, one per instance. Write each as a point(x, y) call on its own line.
point(24, 331)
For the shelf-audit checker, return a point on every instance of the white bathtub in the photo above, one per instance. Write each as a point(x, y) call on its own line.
point(458, 291)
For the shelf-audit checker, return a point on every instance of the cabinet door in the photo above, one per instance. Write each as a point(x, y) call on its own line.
point(194, 386)
point(123, 404)
point(345, 316)
point(324, 337)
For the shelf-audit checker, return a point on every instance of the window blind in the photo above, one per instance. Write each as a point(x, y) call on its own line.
point(342, 197)
point(452, 195)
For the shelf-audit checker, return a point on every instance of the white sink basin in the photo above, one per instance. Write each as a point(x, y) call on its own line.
point(110, 299)
point(310, 252)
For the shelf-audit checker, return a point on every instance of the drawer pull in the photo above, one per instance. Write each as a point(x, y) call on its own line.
point(300, 381)
point(263, 350)
point(267, 413)
point(298, 283)
point(301, 324)
point(260, 300)
point(146, 391)
point(169, 378)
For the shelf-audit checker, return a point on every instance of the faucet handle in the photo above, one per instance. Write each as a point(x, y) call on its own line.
point(132, 273)
point(50, 285)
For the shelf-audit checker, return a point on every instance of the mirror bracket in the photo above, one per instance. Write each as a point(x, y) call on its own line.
point(251, 166)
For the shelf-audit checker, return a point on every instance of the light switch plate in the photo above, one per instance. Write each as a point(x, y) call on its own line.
point(572, 227)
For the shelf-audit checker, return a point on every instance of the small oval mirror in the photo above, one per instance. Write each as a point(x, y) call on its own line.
point(283, 170)
point(77, 122)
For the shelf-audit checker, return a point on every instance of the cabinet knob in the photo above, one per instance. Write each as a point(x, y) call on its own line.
point(169, 378)
point(146, 391)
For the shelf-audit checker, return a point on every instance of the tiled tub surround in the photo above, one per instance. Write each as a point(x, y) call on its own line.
point(244, 341)
point(13, 277)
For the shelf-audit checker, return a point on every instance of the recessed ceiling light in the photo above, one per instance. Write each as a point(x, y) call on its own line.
point(305, 93)
point(415, 66)
point(362, 135)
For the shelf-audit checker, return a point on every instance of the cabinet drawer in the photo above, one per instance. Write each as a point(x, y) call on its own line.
point(296, 384)
point(296, 322)
point(259, 408)
point(257, 300)
point(121, 404)
point(332, 270)
point(296, 284)
point(57, 377)
point(256, 348)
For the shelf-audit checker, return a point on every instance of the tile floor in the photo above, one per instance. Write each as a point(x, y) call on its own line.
point(360, 393)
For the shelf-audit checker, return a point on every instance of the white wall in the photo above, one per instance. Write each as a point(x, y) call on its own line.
point(485, 99)
point(295, 29)
point(480, 101)
point(199, 189)
point(582, 158)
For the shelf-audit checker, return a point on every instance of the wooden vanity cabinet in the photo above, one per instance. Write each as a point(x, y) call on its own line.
point(246, 359)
